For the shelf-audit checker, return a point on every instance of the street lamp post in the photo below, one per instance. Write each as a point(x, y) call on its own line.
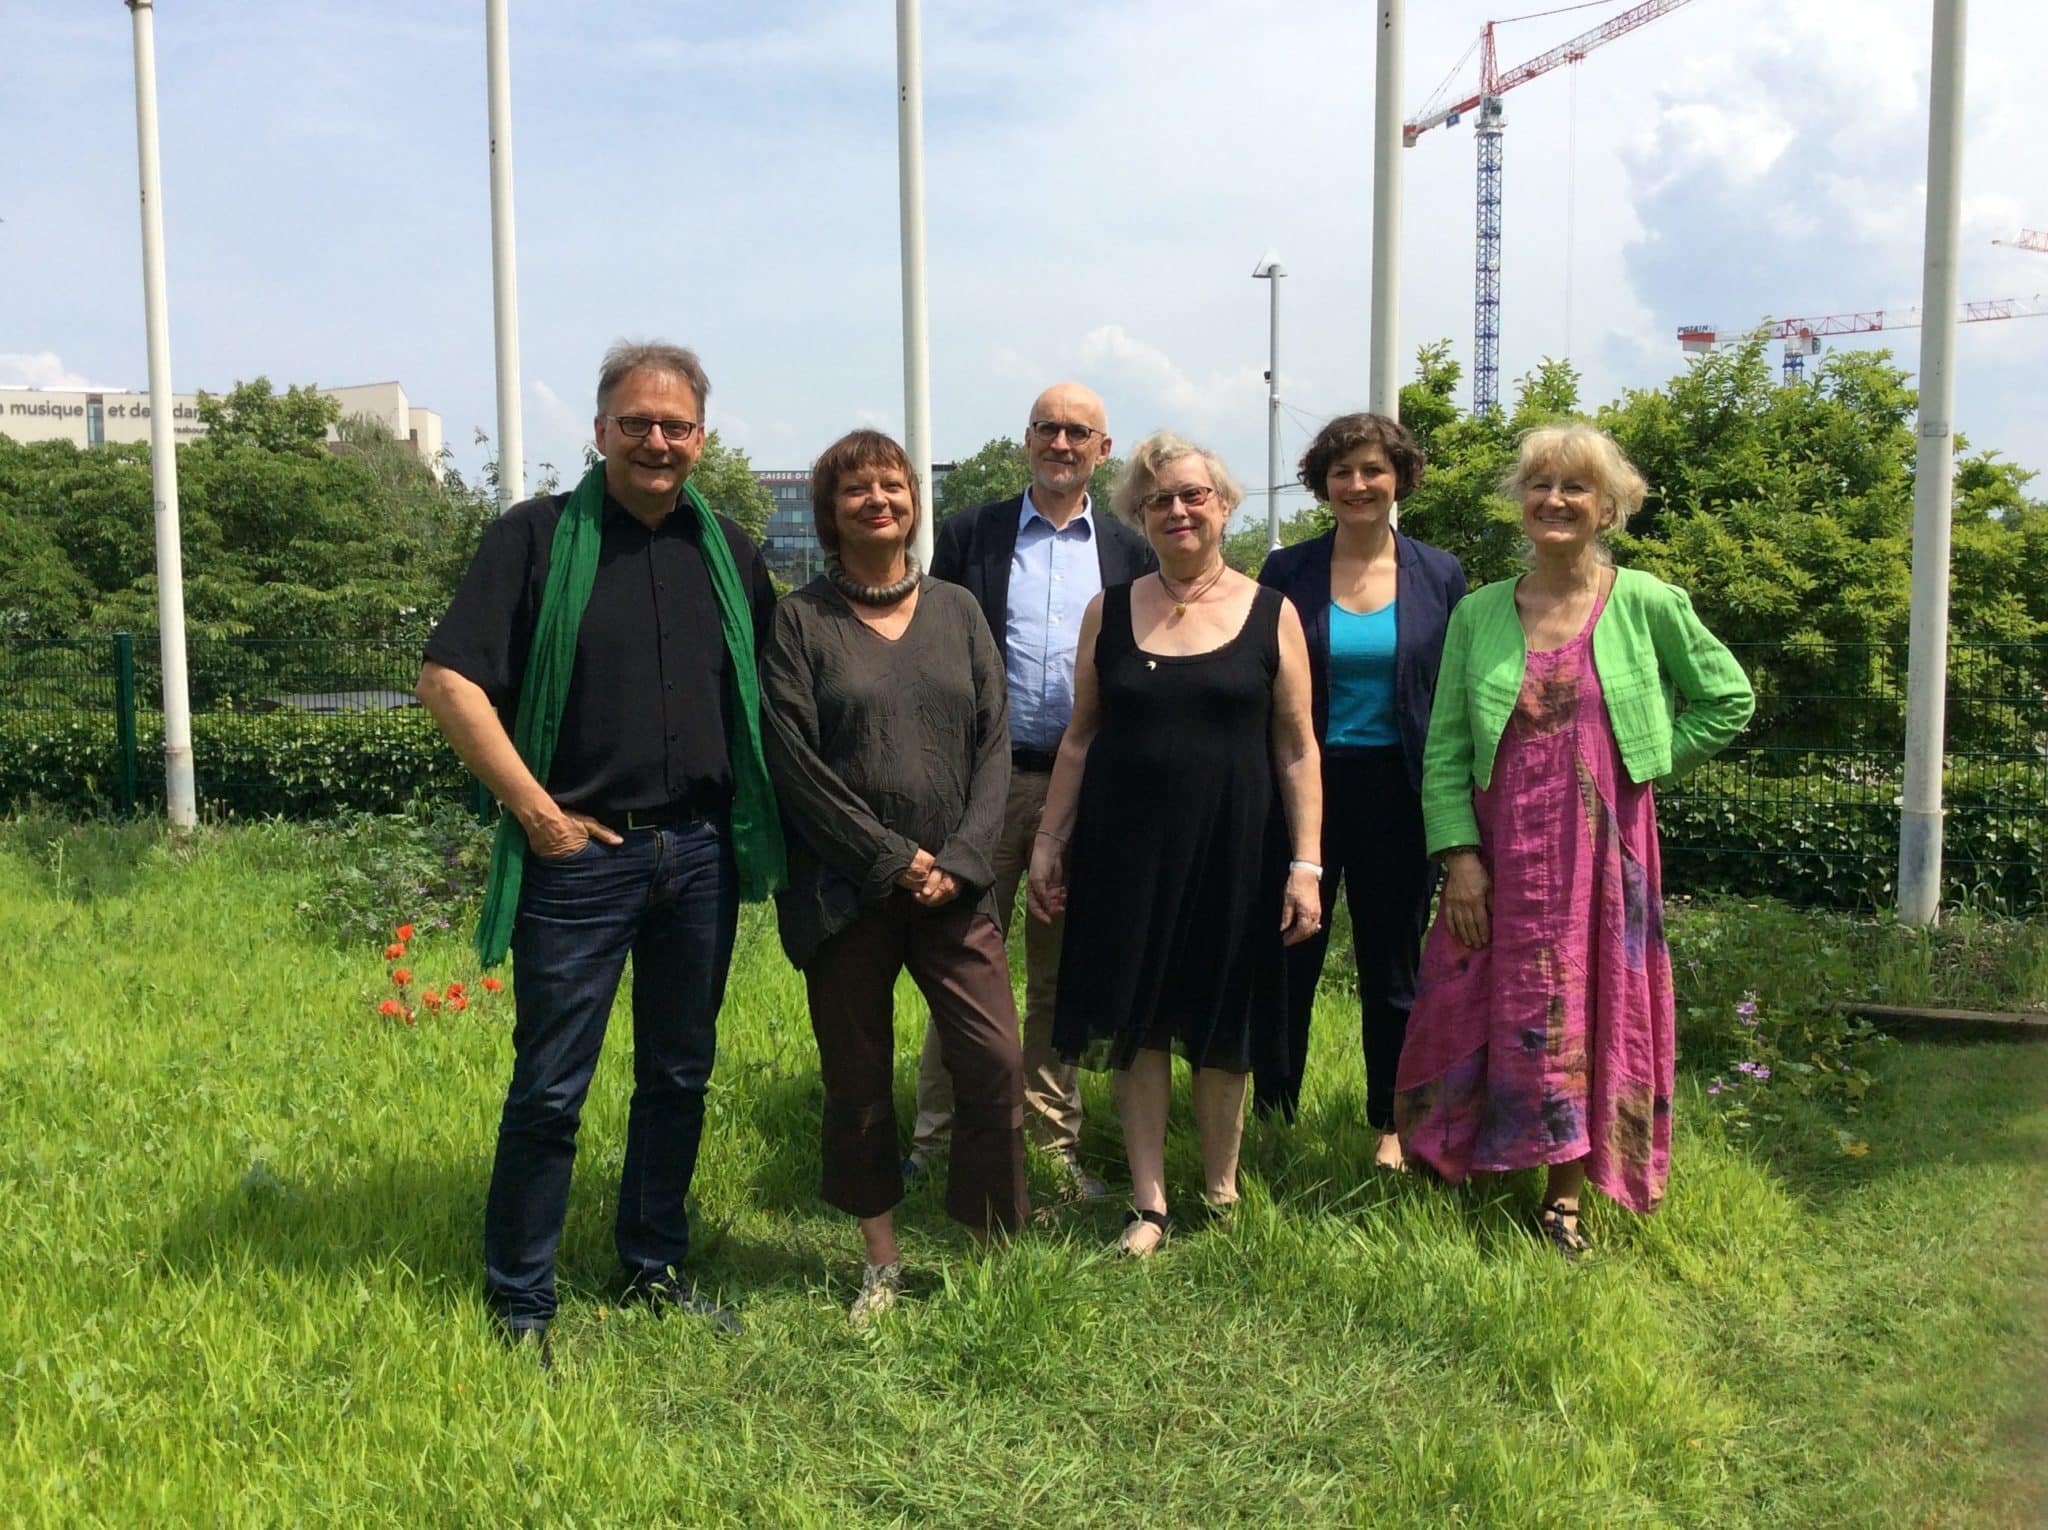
point(1270, 270)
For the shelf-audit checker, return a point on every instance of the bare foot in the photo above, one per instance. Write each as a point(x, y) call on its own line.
point(1386, 1153)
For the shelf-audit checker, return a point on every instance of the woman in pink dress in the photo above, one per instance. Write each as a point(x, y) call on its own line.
point(1542, 1031)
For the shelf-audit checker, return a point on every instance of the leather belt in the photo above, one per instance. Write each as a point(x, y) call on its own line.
point(673, 815)
point(1039, 761)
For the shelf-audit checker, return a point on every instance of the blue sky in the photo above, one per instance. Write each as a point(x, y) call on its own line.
point(1101, 180)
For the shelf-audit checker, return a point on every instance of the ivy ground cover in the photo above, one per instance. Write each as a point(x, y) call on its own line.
point(241, 1188)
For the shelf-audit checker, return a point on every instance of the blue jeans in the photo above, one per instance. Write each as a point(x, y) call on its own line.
point(670, 898)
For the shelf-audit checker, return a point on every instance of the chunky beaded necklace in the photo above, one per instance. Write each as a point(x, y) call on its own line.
point(873, 594)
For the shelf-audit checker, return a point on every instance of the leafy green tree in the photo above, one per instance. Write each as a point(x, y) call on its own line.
point(254, 414)
point(725, 477)
point(1246, 550)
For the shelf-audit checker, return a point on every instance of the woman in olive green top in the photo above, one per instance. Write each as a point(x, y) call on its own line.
point(1543, 1026)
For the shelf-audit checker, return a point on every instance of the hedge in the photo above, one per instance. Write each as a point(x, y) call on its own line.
point(248, 765)
point(1813, 840)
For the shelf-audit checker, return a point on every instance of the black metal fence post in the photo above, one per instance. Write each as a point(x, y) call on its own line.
point(124, 719)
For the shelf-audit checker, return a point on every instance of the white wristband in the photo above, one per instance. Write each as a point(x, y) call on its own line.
point(1305, 866)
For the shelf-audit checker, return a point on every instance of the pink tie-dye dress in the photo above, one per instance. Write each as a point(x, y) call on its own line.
point(1555, 1041)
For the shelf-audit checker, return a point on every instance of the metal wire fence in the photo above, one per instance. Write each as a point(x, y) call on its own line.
point(1804, 805)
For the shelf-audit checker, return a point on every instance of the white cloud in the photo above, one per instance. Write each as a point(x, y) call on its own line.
point(44, 369)
point(1143, 366)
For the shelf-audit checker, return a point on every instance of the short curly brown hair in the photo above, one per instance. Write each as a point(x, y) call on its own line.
point(852, 452)
point(1346, 434)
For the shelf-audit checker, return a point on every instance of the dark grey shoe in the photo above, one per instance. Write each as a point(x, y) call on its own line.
point(663, 1297)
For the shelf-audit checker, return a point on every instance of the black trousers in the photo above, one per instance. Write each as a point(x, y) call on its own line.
point(1373, 847)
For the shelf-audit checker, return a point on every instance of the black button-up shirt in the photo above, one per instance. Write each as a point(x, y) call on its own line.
point(649, 708)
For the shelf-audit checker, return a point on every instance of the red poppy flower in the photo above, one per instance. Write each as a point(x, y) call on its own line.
point(454, 990)
point(458, 1001)
point(404, 932)
point(401, 975)
point(431, 998)
point(391, 1007)
point(492, 985)
point(395, 951)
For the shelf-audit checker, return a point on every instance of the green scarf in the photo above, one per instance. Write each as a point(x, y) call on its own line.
point(572, 570)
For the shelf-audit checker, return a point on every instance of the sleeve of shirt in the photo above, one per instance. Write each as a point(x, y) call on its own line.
point(836, 824)
point(485, 631)
point(969, 852)
point(1718, 698)
point(763, 586)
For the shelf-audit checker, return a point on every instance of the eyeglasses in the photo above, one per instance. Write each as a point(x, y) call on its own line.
point(1049, 431)
point(1193, 495)
point(638, 427)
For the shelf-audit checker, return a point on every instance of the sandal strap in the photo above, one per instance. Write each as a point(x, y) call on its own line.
point(1141, 1214)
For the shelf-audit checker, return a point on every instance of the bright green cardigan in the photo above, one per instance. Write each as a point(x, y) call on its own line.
point(1648, 649)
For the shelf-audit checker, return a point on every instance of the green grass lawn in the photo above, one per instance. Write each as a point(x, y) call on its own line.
point(239, 1224)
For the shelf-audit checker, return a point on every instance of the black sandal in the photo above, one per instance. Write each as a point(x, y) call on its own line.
point(1560, 1225)
point(1132, 1218)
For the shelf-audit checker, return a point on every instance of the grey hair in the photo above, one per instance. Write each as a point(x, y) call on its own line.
point(1150, 457)
point(650, 356)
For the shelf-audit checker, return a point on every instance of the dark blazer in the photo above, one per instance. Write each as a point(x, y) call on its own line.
point(974, 549)
point(1427, 583)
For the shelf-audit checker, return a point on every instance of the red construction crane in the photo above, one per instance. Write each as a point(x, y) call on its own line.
point(1493, 84)
point(2030, 239)
point(1801, 336)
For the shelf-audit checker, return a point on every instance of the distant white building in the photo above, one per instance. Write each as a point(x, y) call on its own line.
point(93, 419)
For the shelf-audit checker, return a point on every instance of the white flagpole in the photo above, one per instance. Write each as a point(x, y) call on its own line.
point(1933, 478)
point(504, 259)
point(181, 802)
point(1383, 391)
point(917, 361)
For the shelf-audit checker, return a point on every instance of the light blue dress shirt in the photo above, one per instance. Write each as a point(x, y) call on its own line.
point(1053, 576)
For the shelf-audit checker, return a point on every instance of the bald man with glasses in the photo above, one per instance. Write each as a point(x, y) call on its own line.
point(1033, 562)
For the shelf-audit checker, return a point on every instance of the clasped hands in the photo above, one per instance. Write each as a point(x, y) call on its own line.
point(923, 880)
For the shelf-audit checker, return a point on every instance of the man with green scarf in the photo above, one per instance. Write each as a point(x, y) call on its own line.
point(597, 671)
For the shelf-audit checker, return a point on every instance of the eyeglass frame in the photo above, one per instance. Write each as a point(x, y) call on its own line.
point(1050, 431)
point(1159, 499)
point(690, 428)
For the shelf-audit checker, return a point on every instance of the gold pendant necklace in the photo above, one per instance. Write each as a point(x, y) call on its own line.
point(1195, 590)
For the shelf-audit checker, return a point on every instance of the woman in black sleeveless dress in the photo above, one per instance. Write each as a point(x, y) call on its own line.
point(1182, 827)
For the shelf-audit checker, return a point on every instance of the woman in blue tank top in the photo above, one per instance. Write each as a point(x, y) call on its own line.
point(1374, 605)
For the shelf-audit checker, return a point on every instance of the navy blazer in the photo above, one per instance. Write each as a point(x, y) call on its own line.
point(1427, 583)
point(974, 548)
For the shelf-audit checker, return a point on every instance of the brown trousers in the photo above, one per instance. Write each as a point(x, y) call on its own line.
point(1052, 1096)
point(955, 956)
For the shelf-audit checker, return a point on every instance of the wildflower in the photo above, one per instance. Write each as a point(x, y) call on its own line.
point(431, 998)
point(1760, 1073)
point(404, 932)
point(1713, 1088)
point(492, 985)
point(395, 951)
point(454, 990)
point(1746, 1010)
point(458, 1001)
point(401, 975)
point(391, 1007)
